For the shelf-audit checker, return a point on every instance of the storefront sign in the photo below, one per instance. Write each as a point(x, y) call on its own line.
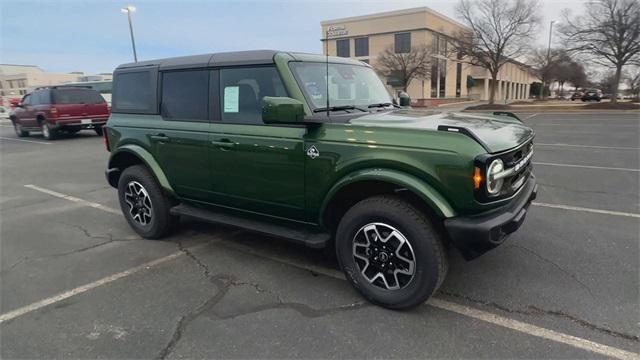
point(337, 30)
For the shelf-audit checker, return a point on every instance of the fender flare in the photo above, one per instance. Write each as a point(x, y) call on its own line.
point(426, 192)
point(147, 159)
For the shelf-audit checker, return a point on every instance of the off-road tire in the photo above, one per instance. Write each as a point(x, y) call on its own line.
point(160, 221)
point(431, 264)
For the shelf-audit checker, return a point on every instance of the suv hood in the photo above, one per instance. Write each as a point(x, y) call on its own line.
point(495, 133)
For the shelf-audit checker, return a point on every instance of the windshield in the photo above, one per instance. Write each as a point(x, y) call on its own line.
point(77, 96)
point(349, 85)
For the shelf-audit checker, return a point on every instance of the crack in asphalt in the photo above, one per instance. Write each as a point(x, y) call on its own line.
point(564, 271)
point(532, 310)
point(222, 283)
point(87, 233)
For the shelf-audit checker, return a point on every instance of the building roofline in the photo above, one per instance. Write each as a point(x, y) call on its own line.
point(393, 13)
point(35, 66)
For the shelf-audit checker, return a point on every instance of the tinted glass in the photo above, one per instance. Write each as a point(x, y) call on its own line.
point(242, 90)
point(402, 43)
point(343, 48)
point(43, 97)
point(76, 96)
point(132, 92)
point(185, 95)
point(362, 46)
point(26, 100)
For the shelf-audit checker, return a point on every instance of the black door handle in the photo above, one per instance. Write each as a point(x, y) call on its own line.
point(160, 137)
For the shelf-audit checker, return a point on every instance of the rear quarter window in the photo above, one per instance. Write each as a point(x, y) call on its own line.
point(135, 92)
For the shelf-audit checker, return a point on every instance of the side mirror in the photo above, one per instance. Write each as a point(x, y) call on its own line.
point(281, 110)
point(405, 99)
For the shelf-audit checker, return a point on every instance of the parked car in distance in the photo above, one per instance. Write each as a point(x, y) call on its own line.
point(258, 140)
point(592, 95)
point(576, 96)
point(56, 110)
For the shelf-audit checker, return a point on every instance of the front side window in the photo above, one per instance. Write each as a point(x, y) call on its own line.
point(402, 43)
point(26, 100)
point(185, 95)
point(342, 48)
point(132, 92)
point(242, 91)
point(362, 46)
point(356, 85)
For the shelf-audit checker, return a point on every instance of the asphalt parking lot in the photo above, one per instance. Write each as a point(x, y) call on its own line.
point(77, 282)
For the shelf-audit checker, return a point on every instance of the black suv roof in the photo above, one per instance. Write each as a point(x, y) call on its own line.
point(218, 59)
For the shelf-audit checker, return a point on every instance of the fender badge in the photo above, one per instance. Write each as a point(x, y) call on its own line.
point(312, 152)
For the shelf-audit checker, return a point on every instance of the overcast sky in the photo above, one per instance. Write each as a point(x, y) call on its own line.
point(93, 36)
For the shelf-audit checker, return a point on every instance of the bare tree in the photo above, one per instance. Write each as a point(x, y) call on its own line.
point(405, 67)
point(500, 30)
point(548, 67)
point(609, 32)
point(577, 76)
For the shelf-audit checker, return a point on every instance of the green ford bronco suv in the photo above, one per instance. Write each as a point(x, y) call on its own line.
point(251, 139)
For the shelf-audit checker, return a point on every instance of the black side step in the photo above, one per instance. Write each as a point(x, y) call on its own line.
point(297, 233)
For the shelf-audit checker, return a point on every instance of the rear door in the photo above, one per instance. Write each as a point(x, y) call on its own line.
point(181, 140)
point(254, 166)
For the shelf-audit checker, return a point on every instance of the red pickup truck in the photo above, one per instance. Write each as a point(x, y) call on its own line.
point(60, 110)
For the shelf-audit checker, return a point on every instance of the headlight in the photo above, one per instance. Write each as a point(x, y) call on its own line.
point(494, 186)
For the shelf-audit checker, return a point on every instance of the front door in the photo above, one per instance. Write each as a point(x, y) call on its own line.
point(26, 114)
point(180, 140)
point(254, 166)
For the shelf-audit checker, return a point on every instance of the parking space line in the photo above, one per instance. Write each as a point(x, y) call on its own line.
point(530, 116)
point(583, 209)
point(586, 166)
point(74, 199)
point(467, 311)
point(485, 316)
point(29, 141)
point(590, 146)
point(84, 288)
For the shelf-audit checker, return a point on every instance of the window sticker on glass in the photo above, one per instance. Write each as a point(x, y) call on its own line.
point(231, 99)
point(313, 90)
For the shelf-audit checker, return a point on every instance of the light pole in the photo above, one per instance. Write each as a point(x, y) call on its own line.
point(128, 10)
point(548, 55)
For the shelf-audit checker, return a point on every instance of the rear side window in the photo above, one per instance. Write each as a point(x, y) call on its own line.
point(75, 96)
point(242, 90)
point(44, 97)
point(132, 92)
point(185, 95)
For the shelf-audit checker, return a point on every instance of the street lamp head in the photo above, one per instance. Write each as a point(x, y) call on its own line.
point(128, 9)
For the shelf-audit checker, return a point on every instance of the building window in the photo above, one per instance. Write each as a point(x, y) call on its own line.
point(0, 84)
point(343, 48)
point(362, 46)
point(22, 83)
point(10, 82)
point(402, 43)
point(443, 77)
point(459, 76)
point(185, 95)
point(434, 79)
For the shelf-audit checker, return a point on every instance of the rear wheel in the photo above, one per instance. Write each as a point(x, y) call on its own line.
point(143, 204)
point(47, 132)
point(19, 131)
point(390, 252)
point(98, 130)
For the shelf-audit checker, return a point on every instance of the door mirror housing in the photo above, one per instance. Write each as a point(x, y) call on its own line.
point(281, 110)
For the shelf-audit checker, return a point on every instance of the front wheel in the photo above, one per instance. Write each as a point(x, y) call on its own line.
point(19, 131)
point(390, 252)
point(143, 203)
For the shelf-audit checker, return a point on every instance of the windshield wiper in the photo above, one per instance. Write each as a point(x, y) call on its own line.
point(381, 105)
point(339, 108)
